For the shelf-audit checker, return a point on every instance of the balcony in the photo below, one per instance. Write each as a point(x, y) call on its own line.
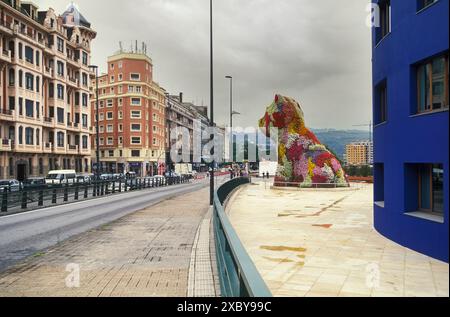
point(5, 56)
point(84, 151)
point(7, 115)
point(5, 145)
point(6, 27)
point(73, 82)
point(59, 149)
point(72, 149)
point(48, 72)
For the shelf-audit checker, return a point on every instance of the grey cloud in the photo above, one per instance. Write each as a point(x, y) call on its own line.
point(317, 51)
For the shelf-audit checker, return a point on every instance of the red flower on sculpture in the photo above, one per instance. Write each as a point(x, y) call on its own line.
point(279, 119)
point(323, 158)
point(319, 179)
point(295, 151)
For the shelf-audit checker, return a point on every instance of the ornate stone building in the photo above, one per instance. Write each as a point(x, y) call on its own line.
point(44, 90)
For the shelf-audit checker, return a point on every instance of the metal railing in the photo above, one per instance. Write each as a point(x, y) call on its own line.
point(237, 272)
point(43, 196)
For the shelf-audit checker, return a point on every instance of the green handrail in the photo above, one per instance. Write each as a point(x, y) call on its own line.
point(238, 274)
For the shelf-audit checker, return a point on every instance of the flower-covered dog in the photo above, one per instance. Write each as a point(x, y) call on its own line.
point(302, 160)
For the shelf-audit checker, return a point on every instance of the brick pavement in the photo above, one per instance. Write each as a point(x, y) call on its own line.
point(144, 254)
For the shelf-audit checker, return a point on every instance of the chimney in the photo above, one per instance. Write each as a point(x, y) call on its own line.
point(181, 97)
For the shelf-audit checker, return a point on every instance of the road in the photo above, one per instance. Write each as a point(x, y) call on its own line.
point(26, 234)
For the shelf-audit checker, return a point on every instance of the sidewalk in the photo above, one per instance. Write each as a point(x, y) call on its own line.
point(147, 253)
point(322, 243)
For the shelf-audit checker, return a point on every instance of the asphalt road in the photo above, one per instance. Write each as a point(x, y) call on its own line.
point(26, 234)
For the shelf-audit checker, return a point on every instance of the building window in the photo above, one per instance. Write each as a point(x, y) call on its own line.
point(29, 81)
point(109, 103)
point(381, 103)
point(136, 140)
point(60, 115)
point(135, 153)
point(109, 116)
point(60, 43)
point(101, 129)
point(135, 77)
point(432, 85)
point(60, 139)
point(379, 184)
point(109, 128)
point(135, 101)
point(111, 153)
point(120, 128)
point(422, 4)
point(85, 58)
point(29, 108)
point(12, 76)
point(29, 54)
point(60, 91)
point(135, 127)
point(60, 68)
point(135, 114)
point(110, 141)
point(425, 188)
point(385, 20)
point(29, 136)
point(85, 141)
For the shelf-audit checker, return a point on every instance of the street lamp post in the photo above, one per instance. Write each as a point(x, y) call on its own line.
point(211, 176)
point(97, 148)
point(231, 100)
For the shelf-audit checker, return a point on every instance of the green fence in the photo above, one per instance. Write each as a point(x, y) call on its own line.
point(237, 272)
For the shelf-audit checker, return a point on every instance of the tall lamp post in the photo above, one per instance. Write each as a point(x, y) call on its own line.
point(232, 113)
point(211, 176)
point(94, 68)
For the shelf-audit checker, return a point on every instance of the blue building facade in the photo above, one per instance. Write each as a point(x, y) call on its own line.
point(411, 133)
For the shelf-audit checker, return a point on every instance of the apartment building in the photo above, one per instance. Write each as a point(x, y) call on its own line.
point(359, 153)
point(131, 116)
point(44, 90)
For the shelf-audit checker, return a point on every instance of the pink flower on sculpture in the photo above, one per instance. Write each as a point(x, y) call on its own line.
point(295, 151)
point(336, 165)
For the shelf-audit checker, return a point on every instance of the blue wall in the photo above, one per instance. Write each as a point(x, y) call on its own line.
point(403, 139)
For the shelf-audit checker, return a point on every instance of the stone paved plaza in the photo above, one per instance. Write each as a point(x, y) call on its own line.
point(322, 243)
point(147, 253)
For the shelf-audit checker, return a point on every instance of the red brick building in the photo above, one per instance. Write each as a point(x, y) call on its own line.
point(131, 116)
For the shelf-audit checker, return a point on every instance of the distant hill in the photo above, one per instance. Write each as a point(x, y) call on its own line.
point(337, 140)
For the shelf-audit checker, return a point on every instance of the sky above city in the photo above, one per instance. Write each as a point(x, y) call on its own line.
point(318, 52)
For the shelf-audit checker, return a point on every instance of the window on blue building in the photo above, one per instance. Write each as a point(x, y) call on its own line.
point(379, 183)
point(385, 19)
point(422, 4)
point(381, 103)
point(425, 188)
point(432, 85)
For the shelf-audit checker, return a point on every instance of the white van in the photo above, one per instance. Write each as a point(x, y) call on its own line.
point(61, 177)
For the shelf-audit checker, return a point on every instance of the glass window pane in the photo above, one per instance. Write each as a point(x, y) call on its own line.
point(424, 87)
point(438, 188)
point(425, 187)
point(438, 83)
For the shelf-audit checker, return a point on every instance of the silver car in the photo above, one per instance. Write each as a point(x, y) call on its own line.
point(11, 185)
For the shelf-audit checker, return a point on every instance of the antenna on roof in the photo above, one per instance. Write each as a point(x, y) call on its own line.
point(121, 47)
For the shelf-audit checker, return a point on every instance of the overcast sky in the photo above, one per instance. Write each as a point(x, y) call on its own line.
point(316, 51)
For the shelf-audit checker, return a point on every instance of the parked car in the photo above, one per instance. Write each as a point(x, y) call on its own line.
point(34, 183)
point(11, 185)
point(85, 178)
point(61, 177)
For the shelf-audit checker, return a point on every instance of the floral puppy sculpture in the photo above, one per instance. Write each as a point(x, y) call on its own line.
point(302, 160)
